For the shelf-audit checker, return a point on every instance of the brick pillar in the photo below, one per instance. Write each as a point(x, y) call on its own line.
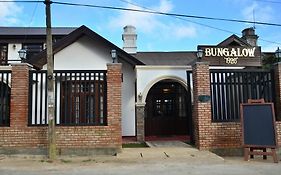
point(201, 110)
point(19, 95)
point(114, 80)
point(277, 78)
point(140, 122)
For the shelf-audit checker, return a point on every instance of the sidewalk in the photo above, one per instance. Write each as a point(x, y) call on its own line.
point(139, 161)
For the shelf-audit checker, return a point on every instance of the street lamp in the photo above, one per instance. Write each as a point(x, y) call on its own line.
point(22, 54)
point(114, 56)
point(199, 54)
point(278, 54)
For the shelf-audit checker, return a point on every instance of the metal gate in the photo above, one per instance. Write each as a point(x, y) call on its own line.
point(229, 88)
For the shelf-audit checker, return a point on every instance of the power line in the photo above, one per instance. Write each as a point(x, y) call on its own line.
point(167, 14)
point(179, 16)
point(154, 12)
point(268, 1)
point(198, 23)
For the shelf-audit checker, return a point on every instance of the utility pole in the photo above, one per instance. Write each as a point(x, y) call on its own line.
point(50, 82)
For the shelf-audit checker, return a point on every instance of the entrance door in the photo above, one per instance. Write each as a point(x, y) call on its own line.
point(166, 110)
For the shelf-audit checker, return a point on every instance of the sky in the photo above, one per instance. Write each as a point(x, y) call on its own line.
point(157, 32)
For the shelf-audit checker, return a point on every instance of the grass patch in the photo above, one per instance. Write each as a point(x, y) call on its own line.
point(134, 145)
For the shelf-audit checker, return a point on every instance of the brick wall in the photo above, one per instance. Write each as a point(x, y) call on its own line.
point(70, 139)
point(211, 135)
point(201, 110)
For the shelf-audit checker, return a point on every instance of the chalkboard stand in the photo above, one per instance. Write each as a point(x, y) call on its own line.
point(259, 151)
point(250, 150)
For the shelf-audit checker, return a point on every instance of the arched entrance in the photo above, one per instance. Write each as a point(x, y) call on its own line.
point(168, 110)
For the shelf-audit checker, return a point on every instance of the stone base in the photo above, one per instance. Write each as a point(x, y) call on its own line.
point(61, 151)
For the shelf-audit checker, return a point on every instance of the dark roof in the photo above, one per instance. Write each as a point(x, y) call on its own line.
point(19, 31)
point(234, 40)
point(40, 59)
point(167, 58)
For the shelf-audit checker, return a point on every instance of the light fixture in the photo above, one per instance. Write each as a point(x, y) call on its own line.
point(140, 96)
point(14, 46)
point(199, 53)
point(114, 56)
point(278, 54)
point(22, 54)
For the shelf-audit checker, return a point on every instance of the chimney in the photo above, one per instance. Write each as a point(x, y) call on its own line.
point(249, 35)
point(129, 38)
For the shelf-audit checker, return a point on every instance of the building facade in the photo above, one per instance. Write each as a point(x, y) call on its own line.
point(162, 94)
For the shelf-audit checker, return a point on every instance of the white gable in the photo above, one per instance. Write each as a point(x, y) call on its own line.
point(84, 54)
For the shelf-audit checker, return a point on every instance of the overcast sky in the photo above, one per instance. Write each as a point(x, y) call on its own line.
point(155, 32)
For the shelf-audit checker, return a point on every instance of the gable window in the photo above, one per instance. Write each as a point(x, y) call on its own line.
point(3, 54)
point(32, 49)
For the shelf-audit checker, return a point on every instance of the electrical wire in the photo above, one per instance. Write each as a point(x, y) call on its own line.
point(179, 16)
point(198, 23)
point(153, 12)
point(268, 1)
point(167, 14)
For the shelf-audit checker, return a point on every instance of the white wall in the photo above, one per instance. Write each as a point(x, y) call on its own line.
point(13, 52)
point(128, 100)
point(147, 76)
point(87, 54)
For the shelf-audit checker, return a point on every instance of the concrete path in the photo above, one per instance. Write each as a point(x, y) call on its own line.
point(139, 161)
point(170, 144)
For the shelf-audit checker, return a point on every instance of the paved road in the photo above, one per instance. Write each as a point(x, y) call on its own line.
point(147, 161)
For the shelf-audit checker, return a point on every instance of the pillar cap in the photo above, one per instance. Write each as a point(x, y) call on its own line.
point(201, 63)
point(21, 64)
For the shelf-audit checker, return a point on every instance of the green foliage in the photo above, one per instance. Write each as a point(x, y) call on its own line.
point(268, 61)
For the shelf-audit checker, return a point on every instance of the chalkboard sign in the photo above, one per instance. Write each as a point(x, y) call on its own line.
point(258, 125)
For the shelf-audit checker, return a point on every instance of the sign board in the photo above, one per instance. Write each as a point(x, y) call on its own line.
point(231, 55)
point(258, 125)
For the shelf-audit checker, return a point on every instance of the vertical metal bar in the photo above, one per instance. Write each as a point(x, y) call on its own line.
point(273, 87)
point(245, 88)
point(41, 95)
point(99, 94)
point(56, 95)
point(73, 101)
point(238, 93)
point(223, 117)
point(219, 97)
point(2, 117)
point(269, 84)
point(259, 93)
point(36, 96)
point(227, 98)
point(70, 94)
point(81, 87)
point(8, 99)
point(85, 96)
point(30, 95)
point(104, 99)
point(46, 96)
point(94, 99)
point(232, 95)
point(214, 86)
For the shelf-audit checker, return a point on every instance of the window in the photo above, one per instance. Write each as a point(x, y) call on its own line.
point(3, 54)
point(83, 103)
point(32, 49)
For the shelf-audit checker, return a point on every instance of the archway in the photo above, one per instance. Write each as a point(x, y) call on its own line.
point(168, 110)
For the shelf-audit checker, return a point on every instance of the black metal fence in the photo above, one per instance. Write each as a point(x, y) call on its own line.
point(5, 94)
point(229, 88)
point(80, 97)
